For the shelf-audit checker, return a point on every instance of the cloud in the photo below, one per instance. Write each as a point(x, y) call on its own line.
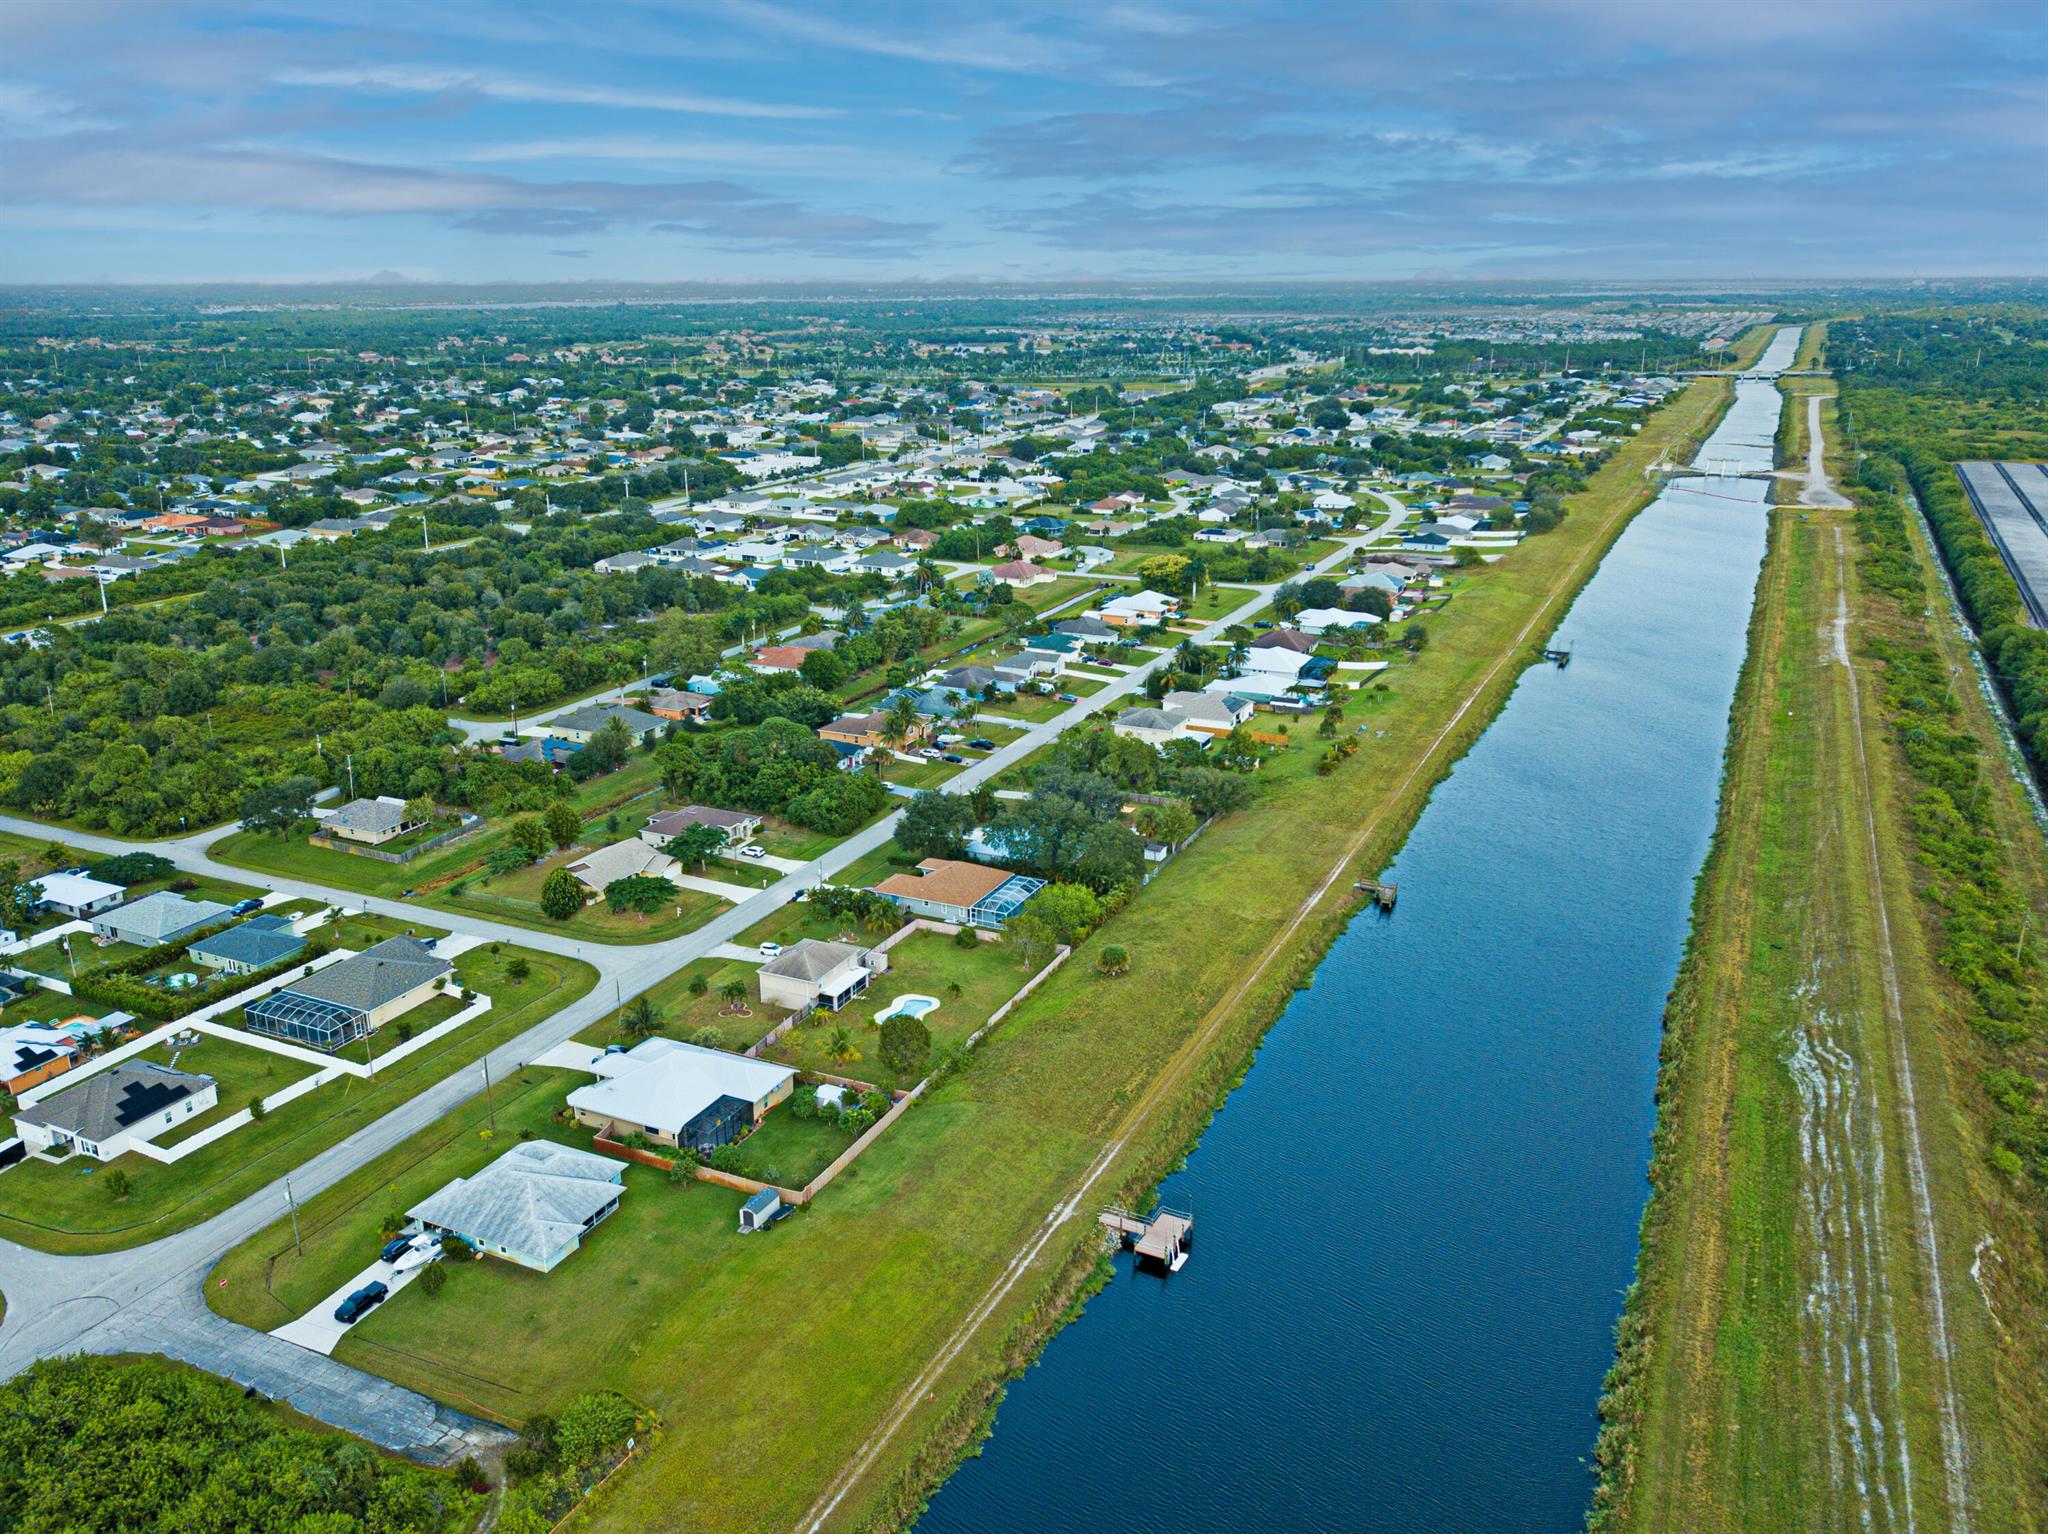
point(116, 173)
point(572, 255)
point(455, 81)
point(802, 159)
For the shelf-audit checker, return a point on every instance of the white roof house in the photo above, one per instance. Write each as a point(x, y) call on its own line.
point(76, 894)
point(531, 1206)
point(682, 1094)
point(1276, 661)
point(621, 860)
point(1317, 620)
point(160, 918)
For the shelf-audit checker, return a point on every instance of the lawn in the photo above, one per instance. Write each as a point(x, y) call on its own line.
point(684, 1014)
point(665, 1304)
point(66, 1208)
point(1212, 602)
point(789, 1151)
point(1029, 707)
point(515, 898)
point(923, 964)
point(240, 1072)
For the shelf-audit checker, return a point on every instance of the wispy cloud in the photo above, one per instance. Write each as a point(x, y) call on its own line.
point(436, 80)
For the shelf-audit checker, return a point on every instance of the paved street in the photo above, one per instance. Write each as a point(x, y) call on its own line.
point(150, 1298)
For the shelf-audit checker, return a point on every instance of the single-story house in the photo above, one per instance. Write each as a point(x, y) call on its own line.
point(164, 917)
point(815, 973)
point(1212, 713)
point(1154, 726)
point(1021, 575)
point(627, 560)
point(582, 724)
point(777, 657)
point(739, 826)
point(547, 749)
point(532, 1206)
point(674, 703)
point(1141, 609)
point(1087, 630)
point(1321, 620)
point(967, 894)
point(76, 895)
point(33, 1053)
point(108, 1112)
point(255, 944)
point(1032, 548)
point(630, 859)
point(350, 1000)
point(1028, 665)
point(973, 679)
point(680, 1094)
point(1285, 639)
point(371, 821)
point(1287, 665)
point(870, 730)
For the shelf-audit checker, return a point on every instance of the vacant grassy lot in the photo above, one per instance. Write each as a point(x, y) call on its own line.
point(666, 1305)
point(67, 1209)
point(240, 1072)
point(515, 898)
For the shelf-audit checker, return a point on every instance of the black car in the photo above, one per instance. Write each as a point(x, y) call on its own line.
point(360, 1304)
point(954, 757)
point(395, 1248)
point(244, 907)
point(981, 745)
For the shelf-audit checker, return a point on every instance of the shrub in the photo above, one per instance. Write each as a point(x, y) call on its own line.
point(116, 1183)
point(906, 1045)
point(435, 1279)
point(256, 1108)
point(699, 984)
point(1113, 960)
point(708, 1037)
point(965, 938)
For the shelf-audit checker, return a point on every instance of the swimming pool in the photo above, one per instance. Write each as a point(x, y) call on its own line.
point(907, 1006)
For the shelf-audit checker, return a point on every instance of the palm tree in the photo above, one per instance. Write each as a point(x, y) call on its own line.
point(903, 718)
point(839, 1045)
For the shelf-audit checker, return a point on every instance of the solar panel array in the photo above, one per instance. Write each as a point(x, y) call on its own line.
point(2012, 501)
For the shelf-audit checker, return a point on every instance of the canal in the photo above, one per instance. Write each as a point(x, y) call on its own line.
point(1416, 1218)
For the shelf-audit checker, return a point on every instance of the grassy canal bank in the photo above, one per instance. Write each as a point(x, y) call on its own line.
point(828, 1376)
point(1812, 1342)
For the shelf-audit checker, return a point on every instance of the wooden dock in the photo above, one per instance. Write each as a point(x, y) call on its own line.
point(1162, 1241)
point(1382, 893)
point(1558, 658)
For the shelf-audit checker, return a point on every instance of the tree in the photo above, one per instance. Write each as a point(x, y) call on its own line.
point(839, 1046)
point(641, 1019)
point(608, 748)
point(1071, 910)
point(903, 718)
point(116, 1183)
point(734, 992)
point(563, 824)
point(561, 897)
point(17, 899)
point(1113, 960)
point(420, 809)
point(517, 969)
point(530, 837)
point(638, 892)
point(279, 806)
point(1164, 572)
point(256, 1108)
point(696, 845)
point(699, 984)
point(1030, 938)
point(1169, 823)
point(935, 825)
point(822, 669)
point(434, 1280)
point(906, 1045)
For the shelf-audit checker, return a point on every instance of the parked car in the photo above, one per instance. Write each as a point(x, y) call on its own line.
point(244, 907)
point(954, 757)
point(929, 753)
point(395, 1248)
point(362, 1302)
point(978, 744)
point(1067, 697)
point(770, 950)
point(752, 852)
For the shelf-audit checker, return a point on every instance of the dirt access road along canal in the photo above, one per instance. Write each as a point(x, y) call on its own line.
point(1417, 1216)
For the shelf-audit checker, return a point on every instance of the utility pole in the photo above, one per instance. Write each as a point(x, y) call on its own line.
point(293, 1204)
point(490, 1103)
point(351, 759)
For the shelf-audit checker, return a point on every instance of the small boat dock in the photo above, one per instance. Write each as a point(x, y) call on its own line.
point(1558, 658)
point(1162, 1241)
point(1379, 891)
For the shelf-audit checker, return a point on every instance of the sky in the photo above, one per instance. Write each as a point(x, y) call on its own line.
point(745, 141)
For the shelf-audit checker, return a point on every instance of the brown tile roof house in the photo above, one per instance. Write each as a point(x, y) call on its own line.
point(865, 729)
point(945, 883)
point(738, 825)
point(1029, 547)
point(778, 657)
point(1285, 639)
point(1020, 573)
point(916, 538)
point(673, 703)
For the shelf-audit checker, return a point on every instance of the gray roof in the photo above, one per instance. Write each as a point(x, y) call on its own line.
point(533, 1200)
point(372, 817)
point(103, 1105)
point(156, 917)
point(1151, 719)
point(597, 716)
point(373, 977)
point(255, 943)
point(811, 959)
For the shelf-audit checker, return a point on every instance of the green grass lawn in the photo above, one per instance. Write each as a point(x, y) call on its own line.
point(515, 898)
point(1212, 602)
point(783, 840)
point(67, 1209)
point(807, 1337)
point(240, 1072)
point(788, 1151)
point(924, 964)
point(1029, 707)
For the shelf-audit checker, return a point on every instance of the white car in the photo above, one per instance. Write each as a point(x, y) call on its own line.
point(930, 753)
point(752, 852)
point(770, 950)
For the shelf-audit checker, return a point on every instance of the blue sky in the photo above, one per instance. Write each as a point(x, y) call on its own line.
point(749, 140)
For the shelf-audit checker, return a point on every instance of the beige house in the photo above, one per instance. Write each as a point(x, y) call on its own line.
point(813, 973)
point(621, 860)
point(371, 821)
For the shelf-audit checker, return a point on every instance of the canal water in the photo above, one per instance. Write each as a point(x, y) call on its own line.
point(1415, 1219)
